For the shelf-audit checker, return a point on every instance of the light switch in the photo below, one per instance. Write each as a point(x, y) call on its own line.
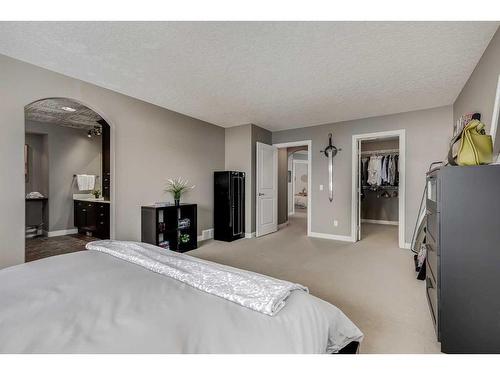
point(335, 223)
point(321, 187)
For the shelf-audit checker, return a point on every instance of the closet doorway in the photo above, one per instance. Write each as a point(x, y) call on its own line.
point(379, 186)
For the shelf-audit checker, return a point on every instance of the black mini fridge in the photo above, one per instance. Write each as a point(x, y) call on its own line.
point(229, 205)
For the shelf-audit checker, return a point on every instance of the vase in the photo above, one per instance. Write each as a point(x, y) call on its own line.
point(177, 202)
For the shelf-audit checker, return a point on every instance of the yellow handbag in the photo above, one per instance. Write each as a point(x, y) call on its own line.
point(476, 147)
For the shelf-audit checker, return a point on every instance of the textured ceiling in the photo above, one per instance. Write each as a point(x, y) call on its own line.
point(277, 75)
point(50, 111)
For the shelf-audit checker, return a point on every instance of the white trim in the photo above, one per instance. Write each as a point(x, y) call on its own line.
point(62, 232)
point(401, 133)
point(383, 222)
point(496, 113)
point(206, 236)
point(250, 235)
point(328, 236)
point(307, 143)
point(407, 246)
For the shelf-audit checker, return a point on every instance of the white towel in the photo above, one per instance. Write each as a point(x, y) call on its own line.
point(81, 180)
point(85, 182)
point(90, 181)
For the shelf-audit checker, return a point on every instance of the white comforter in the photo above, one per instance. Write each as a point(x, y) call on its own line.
point(91, 302)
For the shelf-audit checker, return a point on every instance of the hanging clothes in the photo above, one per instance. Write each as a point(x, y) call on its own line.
point(375, 170)
point(380, 170)
point(364, 171)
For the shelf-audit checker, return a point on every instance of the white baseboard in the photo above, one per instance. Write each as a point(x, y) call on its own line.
point(250, 235)
point(328, 236)
point(384, 222)
point(62, 232)
point(206, 234)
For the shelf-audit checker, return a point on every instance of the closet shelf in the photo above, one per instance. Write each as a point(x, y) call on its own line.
point(393, 151)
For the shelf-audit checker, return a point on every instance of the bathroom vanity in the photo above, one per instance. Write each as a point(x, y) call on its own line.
point(92, 215)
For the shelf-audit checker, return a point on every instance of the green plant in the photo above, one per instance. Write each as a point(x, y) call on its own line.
point(184, 238)
point(96, 193)
point(178, 187)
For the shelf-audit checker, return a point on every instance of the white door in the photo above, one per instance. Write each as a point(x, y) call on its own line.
point(267, 189)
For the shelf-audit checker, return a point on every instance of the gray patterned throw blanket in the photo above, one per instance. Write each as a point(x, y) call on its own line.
point(258, 292)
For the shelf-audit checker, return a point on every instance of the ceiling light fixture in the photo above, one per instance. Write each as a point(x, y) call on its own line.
point(68, 109)
point(96, 131)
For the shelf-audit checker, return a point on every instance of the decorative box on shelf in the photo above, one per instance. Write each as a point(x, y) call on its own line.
point(169, 226)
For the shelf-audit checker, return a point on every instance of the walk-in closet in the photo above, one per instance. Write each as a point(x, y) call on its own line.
point(379, 176)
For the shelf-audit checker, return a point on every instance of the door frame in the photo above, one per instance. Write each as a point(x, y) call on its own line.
point(307, 143)
point(293, 180)
point(401, 134)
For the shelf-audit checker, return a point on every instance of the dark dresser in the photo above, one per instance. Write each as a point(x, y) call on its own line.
point(463, 257)
point(171, 227)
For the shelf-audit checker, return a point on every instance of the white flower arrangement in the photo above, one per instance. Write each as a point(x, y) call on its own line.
point(178, 186)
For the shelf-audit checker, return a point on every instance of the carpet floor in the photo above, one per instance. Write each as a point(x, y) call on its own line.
point(371, 281)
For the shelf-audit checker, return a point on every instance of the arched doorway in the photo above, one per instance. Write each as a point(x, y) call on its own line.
point(67, 177)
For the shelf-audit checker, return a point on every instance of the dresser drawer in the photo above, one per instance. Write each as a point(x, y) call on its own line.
point(432, 218)
point(432, 258)
point(432, 299)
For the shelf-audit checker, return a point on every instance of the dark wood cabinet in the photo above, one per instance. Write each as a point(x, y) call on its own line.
point(92, 217)
point(172, 227)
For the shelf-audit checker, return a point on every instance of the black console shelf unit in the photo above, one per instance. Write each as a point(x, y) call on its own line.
point(172, 227)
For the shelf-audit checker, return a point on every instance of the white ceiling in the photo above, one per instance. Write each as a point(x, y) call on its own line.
point(278, 75)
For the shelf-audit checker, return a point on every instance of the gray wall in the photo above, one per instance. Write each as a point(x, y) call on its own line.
point(389, 144)
point(238, 158)
point(70, 151)
point(478, 94)
point(427, 135)
point(241, 153)
point(150, 144)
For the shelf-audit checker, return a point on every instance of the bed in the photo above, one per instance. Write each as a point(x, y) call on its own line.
point(100, 302)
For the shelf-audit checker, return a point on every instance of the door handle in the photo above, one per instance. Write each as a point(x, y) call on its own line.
point(261, 194)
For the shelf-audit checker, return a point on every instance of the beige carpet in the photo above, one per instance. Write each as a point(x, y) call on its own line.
point(371, 281)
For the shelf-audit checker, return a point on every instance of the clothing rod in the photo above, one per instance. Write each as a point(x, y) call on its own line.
point(380, 152)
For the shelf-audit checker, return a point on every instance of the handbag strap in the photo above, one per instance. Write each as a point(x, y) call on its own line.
point(451, 159)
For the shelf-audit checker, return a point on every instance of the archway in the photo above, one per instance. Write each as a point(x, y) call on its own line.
point(68, 177)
